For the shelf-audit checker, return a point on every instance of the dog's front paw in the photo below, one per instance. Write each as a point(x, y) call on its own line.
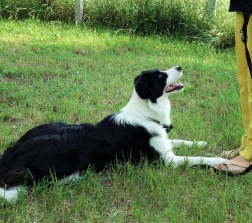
point(195, 143)
point(201, 143)
point(216, 161)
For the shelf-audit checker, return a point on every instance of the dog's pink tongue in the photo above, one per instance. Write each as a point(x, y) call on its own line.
point(173, 86)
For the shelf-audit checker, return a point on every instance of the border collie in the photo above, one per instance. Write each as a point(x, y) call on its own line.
point(66, 151)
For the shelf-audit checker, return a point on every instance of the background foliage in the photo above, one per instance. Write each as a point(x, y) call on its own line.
point(187, 19)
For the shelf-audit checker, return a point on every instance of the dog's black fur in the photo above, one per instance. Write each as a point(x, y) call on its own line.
point(65, 149)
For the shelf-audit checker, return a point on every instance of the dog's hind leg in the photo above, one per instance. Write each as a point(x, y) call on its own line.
point(12, 182)
point(11, 194)
point(71, 178)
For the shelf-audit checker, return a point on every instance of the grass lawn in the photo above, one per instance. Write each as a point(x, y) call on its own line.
point(53, 72)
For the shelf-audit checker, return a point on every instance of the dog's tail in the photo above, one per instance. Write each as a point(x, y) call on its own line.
point(12, 183)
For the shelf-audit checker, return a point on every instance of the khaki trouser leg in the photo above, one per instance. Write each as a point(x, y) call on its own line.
point(245, 82)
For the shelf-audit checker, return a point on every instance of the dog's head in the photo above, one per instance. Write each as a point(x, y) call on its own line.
point(152, 84)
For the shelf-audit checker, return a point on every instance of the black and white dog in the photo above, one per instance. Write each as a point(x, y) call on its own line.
point(66, 151)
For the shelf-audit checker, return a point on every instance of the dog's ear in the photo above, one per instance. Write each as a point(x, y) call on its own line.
point(144, 84)
point(141, 86)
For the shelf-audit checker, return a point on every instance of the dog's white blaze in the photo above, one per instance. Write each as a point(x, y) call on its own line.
point(173, 75)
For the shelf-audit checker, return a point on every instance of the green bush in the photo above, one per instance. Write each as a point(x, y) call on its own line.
point(187, 19)
point(148, 16)
point(47, 10)
point(19, 9)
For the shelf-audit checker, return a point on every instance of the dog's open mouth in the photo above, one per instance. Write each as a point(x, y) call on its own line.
point(174, 87)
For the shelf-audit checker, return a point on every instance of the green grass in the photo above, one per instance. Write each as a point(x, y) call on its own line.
point(52, 72)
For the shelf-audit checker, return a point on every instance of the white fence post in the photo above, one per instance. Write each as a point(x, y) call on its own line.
point(78, 12)
point(212, 9)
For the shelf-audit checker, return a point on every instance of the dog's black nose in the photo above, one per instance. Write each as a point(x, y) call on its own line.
point(178, 68)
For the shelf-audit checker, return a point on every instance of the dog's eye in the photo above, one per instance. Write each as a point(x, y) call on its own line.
point(160, 76)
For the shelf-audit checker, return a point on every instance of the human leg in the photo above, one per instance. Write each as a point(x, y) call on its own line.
point(245, 83)
point(240, 164)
